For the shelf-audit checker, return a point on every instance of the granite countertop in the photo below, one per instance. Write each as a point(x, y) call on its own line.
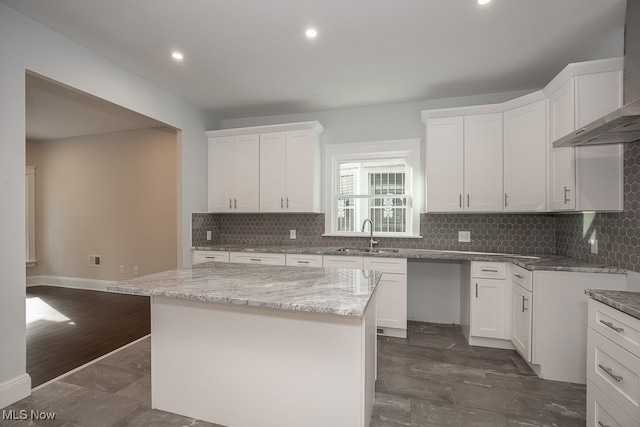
point(527, 261)
point(332, 291)
point(625, 301)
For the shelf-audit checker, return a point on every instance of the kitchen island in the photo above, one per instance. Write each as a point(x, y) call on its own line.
point(246, 345)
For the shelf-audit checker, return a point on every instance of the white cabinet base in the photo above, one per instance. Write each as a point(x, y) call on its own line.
point(271, 367)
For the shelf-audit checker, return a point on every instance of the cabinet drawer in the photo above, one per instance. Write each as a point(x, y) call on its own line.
point(601, 411)
point(522, 277)
point(301, 260)
point(198, 257)
point(488, 270)
point(619, 327)
point(257, 258)
point(386, 265)
point(342, 261)
point(615, 371)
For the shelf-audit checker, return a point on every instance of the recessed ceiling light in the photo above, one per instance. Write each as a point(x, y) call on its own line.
point(177, 56)
point(311, 33)
point(483, 1)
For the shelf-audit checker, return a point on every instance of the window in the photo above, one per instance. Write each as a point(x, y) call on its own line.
point(374, 181)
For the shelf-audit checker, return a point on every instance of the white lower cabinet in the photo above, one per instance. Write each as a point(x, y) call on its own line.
point(303, 260)
point(488, 302)
point(257, 258)
point(199, 257)
point(521, 300)
point(391, 318)
point(613, 367)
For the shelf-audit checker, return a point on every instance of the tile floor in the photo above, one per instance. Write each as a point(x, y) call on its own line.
point(433, 378)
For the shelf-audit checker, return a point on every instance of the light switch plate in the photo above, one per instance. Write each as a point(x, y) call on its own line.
point(464, 236)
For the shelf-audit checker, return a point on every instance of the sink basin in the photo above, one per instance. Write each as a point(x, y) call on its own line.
point(367, 250)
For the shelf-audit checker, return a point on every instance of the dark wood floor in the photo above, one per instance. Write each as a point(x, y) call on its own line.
point(67, 328)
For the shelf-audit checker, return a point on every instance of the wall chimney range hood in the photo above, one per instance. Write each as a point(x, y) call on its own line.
point(622, 125)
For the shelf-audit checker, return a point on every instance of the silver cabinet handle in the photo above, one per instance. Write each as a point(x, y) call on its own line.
point(566, 199)
point(235, 203)
point(230, 206)
point(523, 301)
point(468, 200)
point(518, 276)
point(506, 203)
point(281, 203)
point(461, 200)
point(489, 270)
point(601, 424)
point(609, 371)
point(476, 290)
point(210, 257)
point(255, 259)
point(287, 203)
point(302, 262)
point(609, 324)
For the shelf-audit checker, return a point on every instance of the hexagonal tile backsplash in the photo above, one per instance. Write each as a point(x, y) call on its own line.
point(618, 233)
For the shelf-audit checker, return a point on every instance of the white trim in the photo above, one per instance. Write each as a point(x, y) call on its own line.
point(400, 148)
point(314, 125)
point(70, 282)
point(15, 389)
point(73, 371)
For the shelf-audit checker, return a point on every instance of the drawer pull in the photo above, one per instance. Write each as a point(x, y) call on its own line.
point(210, 257)
point(302, 262)
point(601, 424)
point(489, 270)
point(518, 276)
point(476, 290)
point(609, 371)
point(255, 259)
point(609, 324)
point(523, 301)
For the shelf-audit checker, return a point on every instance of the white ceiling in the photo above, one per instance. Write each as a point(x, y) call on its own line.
point(250, 57)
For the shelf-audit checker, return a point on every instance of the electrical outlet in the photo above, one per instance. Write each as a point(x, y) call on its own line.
point(135, 269)
point(122, 269)
point(594, 246)
point(95, 260)
point(208, 234)
point(292, 234)
point(464, 236)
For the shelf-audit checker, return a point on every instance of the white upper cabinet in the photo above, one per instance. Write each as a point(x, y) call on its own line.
point(290, 171)
point(525, 157)
point(464, 163)
point(234, 164)
point(585, 177)
point(274, 168)
point(445, 164)
point(483, 162)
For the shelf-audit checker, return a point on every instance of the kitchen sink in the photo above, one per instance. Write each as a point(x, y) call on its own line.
point(367, 250)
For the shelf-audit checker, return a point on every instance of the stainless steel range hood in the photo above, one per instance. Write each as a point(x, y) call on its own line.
point(622, 125)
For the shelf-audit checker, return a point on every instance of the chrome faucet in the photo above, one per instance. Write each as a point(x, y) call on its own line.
point(371, 241)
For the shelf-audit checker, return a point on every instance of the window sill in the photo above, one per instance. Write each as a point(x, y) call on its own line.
point(375, 235)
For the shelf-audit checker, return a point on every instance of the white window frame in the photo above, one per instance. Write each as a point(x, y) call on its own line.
point(407, 149)
point(30, 213)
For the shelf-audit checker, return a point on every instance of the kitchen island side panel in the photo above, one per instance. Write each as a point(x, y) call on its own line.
point(246, 366)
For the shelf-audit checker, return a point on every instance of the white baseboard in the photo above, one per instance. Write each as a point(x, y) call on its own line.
point(69, 282)
point(15, 389)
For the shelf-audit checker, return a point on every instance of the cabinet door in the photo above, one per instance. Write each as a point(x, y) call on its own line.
point(445, 167)
point(392, 301)
point(246, 173)
point(596, 95)
point(562, 160)
point(488, 307)
point(221, 174)
point(272, 171)
point(483, 163)
point(301, 171)
point(521, 333)
point(525, 158)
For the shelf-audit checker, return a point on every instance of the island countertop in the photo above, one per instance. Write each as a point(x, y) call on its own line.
point(331, 291)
